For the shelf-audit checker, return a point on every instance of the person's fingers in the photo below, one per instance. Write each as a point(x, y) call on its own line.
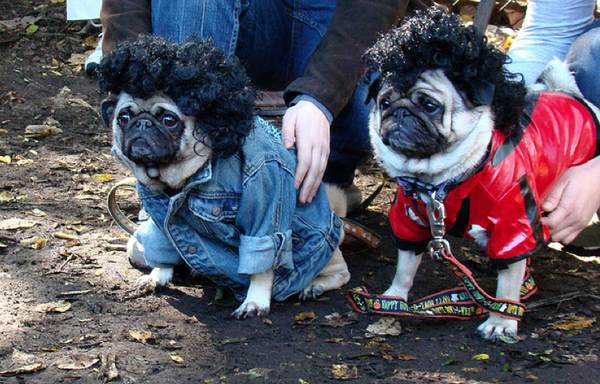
point(313, 177)
point(557, 219)
point(304, 159)
point(553, 199)
point(567, 234)
point(288, 129)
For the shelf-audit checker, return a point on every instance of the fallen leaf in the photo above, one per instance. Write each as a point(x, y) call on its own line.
point(41, 130)
point(34, 242)
point(267, 321)
point(141, 336)
point(6, 197)
point(472, 369)
point(15, 223)
point(302, 381)
point(343, 372)
point(176, 358)
point(65, 236)
point(53, 307)
point(589, 358)
point(256, 373)
point(481, 356)
point(57, 1)
point(385, 326)
point(31, 368)
point(336, 320)
point(102, 177)
point(531, 377)
point(305, 317)
point(406, 357)
point(448, 362)
point(574, 323)
point(38, 212)
point(5, 159)
point(76, 362)
point(31, 29)
point(24, 161)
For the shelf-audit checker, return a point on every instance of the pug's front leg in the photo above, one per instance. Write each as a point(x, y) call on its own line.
point(406, 268)
point(258, 299)
point(509, 287)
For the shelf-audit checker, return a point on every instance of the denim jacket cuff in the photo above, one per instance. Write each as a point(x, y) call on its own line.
point(259, 254)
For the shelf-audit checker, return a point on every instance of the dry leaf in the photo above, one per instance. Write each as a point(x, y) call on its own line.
point(102, 177)
point(53, 307)
point(6, 197)
point(141, 336)
point(5, 159)
point(305, 317)
point(385, 326)
point(15, 223)
point(336, 320)
point(343, 372)
point(176, 358)
point(76, 362)
point(34, 242)
point(574, 323)
point(24, 161)
point(472, 369)
point(41, 130)
point(405, 357)
point(256, 373)
point(65, 236)
point(38, 212)
point(30, 368)
point(481, 356)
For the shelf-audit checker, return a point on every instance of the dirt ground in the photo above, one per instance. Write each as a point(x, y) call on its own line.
point(74, 253)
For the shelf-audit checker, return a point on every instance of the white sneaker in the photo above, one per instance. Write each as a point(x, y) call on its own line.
point(93, 60)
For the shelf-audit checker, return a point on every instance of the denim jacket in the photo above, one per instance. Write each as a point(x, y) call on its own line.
point(240, 216)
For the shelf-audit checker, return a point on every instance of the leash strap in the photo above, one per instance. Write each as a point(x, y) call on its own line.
point(465, 302)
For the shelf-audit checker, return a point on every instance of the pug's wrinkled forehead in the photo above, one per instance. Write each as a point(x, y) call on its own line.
point(436, 40)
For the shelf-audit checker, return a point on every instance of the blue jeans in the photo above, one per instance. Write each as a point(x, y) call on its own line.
point(568, 32)
point(274, 39)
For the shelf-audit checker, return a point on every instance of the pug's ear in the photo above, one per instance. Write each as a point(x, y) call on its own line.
point(483, 93)
point(108, 109)
point(374, 81)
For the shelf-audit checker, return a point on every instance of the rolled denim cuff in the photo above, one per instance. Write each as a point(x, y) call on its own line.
point(317, 103)
point(259, 254)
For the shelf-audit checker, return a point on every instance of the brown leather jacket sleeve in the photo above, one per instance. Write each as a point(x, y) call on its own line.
point(123, 20)
point(336, 66)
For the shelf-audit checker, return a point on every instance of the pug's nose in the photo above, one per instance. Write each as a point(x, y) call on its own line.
point(402, 113)
point(144, 124)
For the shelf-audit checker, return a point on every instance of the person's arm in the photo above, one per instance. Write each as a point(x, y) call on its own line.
point(573, 201)
point(330, 78)
point(123, 20)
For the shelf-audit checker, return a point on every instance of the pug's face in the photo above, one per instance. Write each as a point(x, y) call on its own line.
point(154, 139)
point(432, 132)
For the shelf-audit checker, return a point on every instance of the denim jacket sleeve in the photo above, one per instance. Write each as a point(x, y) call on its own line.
point(265, 217)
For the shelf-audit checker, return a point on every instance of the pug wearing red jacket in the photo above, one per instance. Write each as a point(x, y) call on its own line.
point(448, 116)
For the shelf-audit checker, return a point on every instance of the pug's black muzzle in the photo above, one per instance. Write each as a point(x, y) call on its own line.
point(407, 133)
point(146, 141)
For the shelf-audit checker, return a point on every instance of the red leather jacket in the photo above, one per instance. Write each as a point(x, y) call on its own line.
point(503, 197)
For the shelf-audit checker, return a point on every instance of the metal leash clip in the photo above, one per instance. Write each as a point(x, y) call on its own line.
point(437, 214)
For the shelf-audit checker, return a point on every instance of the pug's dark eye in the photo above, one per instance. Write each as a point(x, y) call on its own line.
point(169, 120)
point(124, 118)
point(385, 102)
point(429, 106)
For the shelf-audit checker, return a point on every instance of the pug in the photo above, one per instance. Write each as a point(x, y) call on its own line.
point(216, 181)
point(449, 119)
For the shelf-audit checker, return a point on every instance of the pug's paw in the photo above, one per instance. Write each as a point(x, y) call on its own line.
point(146, 284)
point(496, 326)
point(251, 308)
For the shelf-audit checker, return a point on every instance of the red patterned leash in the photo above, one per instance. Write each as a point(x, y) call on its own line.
point(465, 302)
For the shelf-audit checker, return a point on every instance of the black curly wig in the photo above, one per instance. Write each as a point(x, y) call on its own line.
point(200, 79)
point(435, 39)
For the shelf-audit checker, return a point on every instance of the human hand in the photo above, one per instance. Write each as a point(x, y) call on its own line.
point(572, 201)
point(305, 125)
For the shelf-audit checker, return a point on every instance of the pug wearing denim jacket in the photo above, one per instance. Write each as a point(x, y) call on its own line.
point(216, 181)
